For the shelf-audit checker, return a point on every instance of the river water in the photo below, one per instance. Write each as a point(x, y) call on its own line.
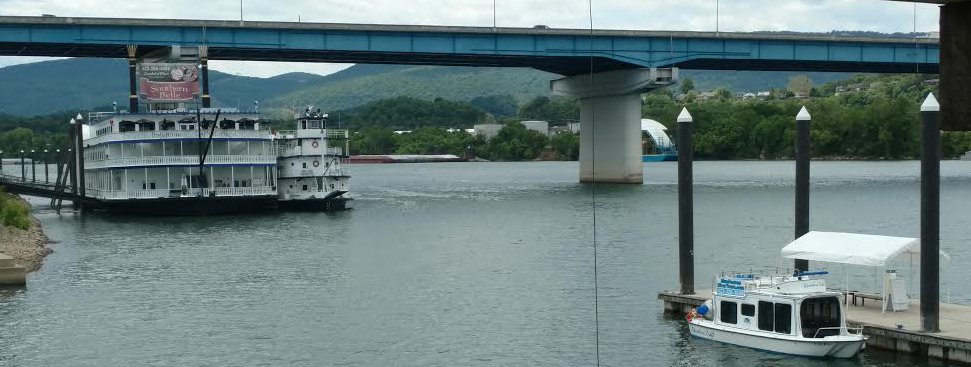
point(466, 264)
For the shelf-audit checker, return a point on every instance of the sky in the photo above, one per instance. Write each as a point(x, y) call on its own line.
point(687, 15)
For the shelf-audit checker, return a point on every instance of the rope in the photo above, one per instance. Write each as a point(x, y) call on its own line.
point(593, 190)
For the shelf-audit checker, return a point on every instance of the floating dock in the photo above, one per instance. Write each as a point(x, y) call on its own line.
point(892, 331)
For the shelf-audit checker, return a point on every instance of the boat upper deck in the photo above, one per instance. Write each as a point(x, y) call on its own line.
point(799, 285)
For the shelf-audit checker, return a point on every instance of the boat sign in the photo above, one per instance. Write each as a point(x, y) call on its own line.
point(729, 287)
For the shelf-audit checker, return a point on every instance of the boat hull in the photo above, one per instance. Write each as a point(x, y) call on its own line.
point(187, 206)
point(312, 205)
point(659, 157)
point(837, 347)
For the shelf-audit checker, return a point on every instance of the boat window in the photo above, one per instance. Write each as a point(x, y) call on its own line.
point(729, 312)
point(783, 318)
point(748, 309)
point(766, 316)
point(304, 187)
point(820, 313)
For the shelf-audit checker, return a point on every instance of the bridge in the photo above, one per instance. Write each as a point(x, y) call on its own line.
point(624, 63)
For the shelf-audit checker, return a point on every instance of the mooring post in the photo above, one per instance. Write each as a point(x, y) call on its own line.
point(79, 152)
point(686, 230)
point(803, 120)
point(930, 215)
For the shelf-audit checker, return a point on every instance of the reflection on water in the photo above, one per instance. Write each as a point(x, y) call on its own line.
point(449, 264)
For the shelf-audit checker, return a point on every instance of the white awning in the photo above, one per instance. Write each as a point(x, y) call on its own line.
point(851, 248)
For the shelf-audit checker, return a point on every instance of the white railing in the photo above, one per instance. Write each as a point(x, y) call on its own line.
point(292, 151)
point(179, 160)
point(244, 191)
point(179, 134)
point(166, 193)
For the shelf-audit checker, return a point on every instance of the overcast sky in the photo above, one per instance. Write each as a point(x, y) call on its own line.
point(696, 15)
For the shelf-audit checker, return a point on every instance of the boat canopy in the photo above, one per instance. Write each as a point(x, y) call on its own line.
point(658, 133)
point(851, 248)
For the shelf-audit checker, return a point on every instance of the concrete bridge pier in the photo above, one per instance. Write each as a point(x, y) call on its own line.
point(610, 120)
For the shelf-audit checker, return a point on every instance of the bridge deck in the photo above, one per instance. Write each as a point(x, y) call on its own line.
point(561, 51)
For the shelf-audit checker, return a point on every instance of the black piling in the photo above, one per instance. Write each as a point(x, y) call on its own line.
point(79, 161)
point(802, 180)
point(686, 230)
point(930, 215)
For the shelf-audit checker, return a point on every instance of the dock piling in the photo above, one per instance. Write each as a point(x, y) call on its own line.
point(803, 120)
point(930, 215)
point(686, 230)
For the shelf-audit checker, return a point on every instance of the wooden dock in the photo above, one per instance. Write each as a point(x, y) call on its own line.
point(892, 331)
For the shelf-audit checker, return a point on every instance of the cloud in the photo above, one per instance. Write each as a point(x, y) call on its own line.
point(694, 15)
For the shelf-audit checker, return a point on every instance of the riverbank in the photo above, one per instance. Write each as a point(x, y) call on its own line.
point(27, 246)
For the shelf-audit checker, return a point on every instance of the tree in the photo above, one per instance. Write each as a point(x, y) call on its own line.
point(515, 143)
point(687, 85)
point(497, 105)
point(547, 109)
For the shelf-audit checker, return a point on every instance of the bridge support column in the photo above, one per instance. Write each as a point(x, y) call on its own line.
point(132, 80)
point(956, 66)
point(204, 65)
point(610, 120)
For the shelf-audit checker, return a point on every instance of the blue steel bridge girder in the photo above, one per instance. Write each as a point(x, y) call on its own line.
point(561, 51)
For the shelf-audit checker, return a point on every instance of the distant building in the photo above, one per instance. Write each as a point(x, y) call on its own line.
point(575, 127)
point(487, 130)
point(542, 127)
point(399, 132)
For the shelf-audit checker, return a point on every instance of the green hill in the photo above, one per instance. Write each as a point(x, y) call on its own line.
point(73, 84)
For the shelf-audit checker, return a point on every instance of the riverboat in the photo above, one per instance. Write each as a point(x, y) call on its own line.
point(788, 313)
point(210, 161)
point(311, 164)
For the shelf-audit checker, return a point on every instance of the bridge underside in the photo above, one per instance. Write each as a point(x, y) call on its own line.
point(554, 64)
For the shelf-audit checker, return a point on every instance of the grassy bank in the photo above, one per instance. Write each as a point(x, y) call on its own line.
point(13, 211)
point(20, 234)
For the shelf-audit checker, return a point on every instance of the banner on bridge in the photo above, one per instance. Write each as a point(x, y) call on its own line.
point(168, 81)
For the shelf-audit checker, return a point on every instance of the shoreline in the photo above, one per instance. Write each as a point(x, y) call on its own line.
point(27, 247)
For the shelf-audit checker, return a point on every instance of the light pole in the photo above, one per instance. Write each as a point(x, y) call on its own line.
point(47, 158)
point(23, 167)
point(33, 166)
point(1, 162)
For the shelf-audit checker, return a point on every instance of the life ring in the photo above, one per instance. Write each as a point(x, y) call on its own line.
point(691, 315)
point(316, 164)
point(314, 144)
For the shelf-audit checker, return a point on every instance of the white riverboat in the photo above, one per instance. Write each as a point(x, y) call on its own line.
point(179, 162)
point(311, 164)
point(788, 313)
point(210, 161)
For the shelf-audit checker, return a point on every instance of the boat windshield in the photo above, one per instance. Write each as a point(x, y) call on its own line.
point(820, 317)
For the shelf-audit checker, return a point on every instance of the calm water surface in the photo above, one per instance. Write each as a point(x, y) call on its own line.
point(472, 264)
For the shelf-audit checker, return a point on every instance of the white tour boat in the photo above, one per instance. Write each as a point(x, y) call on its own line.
point(790, 314)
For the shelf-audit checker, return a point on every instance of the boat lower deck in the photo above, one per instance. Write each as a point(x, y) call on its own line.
point(894, 331)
